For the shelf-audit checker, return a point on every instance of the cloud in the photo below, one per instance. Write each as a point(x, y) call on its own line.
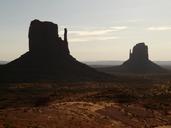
point(86, 39)
point(118, 28)
point(93, 34)
point(134, 20)
point(78, 40)
point(97, 32)
point(162, 28)
point(107, 38)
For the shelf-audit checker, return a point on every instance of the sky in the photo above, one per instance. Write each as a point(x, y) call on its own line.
point(98, 29)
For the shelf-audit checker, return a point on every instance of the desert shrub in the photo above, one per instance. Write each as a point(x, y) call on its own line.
point(33, 126)
point(156, 106)
point(161, 90)
point(8, 124)
point(124, 98)
point(42, 101)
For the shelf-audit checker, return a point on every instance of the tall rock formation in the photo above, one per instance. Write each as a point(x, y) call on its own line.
point(139, 53)
point(139, 62)
point(48, 58)
point(44, 38)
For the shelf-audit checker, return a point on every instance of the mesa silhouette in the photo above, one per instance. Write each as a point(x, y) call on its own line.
point(48, 58)
point(138, 62)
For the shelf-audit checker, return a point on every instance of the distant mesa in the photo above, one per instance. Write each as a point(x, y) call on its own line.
point(138, 62)
point(48, 58)
point(139, 54)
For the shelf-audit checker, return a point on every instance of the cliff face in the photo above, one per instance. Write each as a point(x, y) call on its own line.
point(48, 58)
point(139, 53)
point(44, 38)
point(47, 51)
point(139, 62)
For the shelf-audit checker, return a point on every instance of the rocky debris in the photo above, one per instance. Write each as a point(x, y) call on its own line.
point(48, 58)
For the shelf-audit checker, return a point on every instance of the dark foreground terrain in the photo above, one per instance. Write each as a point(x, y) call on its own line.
point(130, 102)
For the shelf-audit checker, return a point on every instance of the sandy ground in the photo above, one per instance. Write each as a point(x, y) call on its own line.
point(85, 106)
point(81, 115)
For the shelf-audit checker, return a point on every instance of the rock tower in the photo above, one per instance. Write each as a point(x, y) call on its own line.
point(48, 58)
point(139, 61)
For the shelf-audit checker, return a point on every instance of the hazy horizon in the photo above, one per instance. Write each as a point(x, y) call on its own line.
point(98, 29)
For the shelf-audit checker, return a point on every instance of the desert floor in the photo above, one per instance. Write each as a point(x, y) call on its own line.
point(132, 103)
